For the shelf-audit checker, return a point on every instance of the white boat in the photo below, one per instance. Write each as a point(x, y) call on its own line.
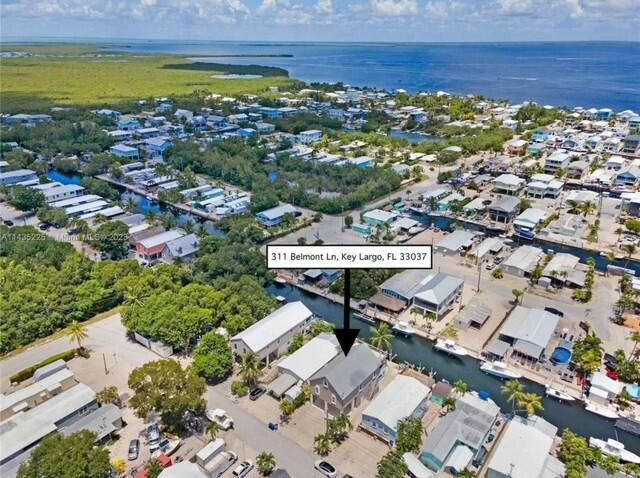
point(450, 347)
point(280, 280)
point(280, 298)
point(614, 448)
point(415, 230)
point(601, 410)
point(559, 395)
point(403, 328)
point(500, 370)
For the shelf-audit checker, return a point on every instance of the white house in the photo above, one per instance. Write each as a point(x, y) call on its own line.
point(271, 336)
point(310, 136)
point(508, 184)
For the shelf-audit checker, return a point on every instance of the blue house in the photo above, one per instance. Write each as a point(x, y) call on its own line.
point(275, 216)
point(246, 132)
point(603, 114)
point(540, 136)
point(124, 151)
point(128, 124)
point(628, 176)
point(157, 146)
point(269, 112)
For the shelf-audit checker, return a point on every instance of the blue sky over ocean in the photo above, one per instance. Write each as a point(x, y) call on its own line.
point(326, 20)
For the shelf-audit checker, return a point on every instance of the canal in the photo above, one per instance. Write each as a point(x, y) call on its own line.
point(143, 204)
point(420, 352)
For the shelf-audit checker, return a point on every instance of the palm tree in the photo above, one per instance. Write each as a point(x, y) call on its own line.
point(78, 332)
point(587, 208)
point(188, 227)
point(574, 207)
point(460, 387)
point(322, 444)
point(635, 337)
point(131, 204)
point(629, 249)
point(381, 337)
point(265, 462)
point(531, 402)
point(213, 429)
point(449, 404)
point(465, 474)
point(610, 257)
point(513, 391)
point(251, 368)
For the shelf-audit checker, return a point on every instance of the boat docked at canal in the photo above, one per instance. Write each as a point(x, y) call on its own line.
point(403, 329)
point(614, 448)
point(500, 370)
point(450, 347)
point(280, 281)
point(558, 394)
point(602, 410)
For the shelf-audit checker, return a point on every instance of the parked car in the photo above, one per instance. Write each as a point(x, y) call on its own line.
point(326, 468)
point(256, 393)
point(220, 417)
point(554, 311)
point(134, 449)
point(243, 469)
point(489, 266)
point(153, 437)
point(44, 226)
point(498, 259)
point(8, 222)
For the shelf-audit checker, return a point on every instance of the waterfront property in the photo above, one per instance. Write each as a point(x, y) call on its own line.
point(345, 382)
point(271, 336)
point(378, 218)
point(558, 160)
point(458, 241)
point(310, 358)
point(529, 331)
point(504, 209)
point(524, 450)
point(183, 248)
point(275, 216)
point(150, 248)
point(59, 193)
point(404, 397)
point(508, 184)
point(523, 261)
point(460, 434)
point(17, 176)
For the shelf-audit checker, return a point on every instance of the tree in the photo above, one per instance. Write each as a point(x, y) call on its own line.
point(531, 402)
point(77, 332)
point(630, 249)
point(265, 462)
point(112, 238)
point(165, 388)
point(635, 337)
point(381, 337)
point(449, 404)
point(213, 429)
point(26, 199)
point(69, 456)
point(213, 358)
point(296, 342)
point(409, 436)
point(251, 368)
point(517, 294)
point(320, 326)
point(287, 407)
point(322, 444)
point(154, 468)
point(465, 474)
point(460, 387)
point(108, 395)
point(348, 221)
point(392, 465)
point(513, 391)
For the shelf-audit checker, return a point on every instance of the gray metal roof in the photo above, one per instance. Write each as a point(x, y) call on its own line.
point(506, 204)
point(406, 283)
point(439, 288)
point(183, 246)
point(456, 240)
point(531, 329)
point(346, 374)
point(475, 311)
point(100, 421)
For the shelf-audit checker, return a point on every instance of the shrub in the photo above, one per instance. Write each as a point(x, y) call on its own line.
point(239, 389)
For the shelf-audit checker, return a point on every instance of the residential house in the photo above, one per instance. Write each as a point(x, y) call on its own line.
point(310, 136)
point(529, 331)
point(556, 161)
point(150, 248)
point(540, 136)
point(17, 176)
point(438, 294)
point(577, 169)
point(460, 432)
point(157, 146)
point(526, 222)
point(124, 151)
point(183, 248)
point(631, 144)
point(378, 217)
point(456, 242)
point(504, 209)
point(562, 269)
point(404, 397)
point(271, 336)
point(525, 450)
point(517, 147)
point(343, 384)
point(275, 216)
point(508, 184)
point(128, 124)
point(628, 176)
point(311, 357)
point(523, 261)
point(65, 191)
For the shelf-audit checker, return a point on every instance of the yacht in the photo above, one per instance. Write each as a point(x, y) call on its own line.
point(558, 395)
point(280, 281)
point(614, 448)
point(450, 347)
point(601, 410)
point(500, 370)
point(404, 329)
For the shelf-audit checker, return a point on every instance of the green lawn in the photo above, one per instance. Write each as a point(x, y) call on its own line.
point(58, 75)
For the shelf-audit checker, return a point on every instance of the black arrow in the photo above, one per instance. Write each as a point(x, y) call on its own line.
point(347, 336)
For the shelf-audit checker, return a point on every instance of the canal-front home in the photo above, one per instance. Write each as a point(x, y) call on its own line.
point(404, 397)
point(275, 216)
point(523, 261)
point(460, 434)
point(529, 331)
point(508, 184)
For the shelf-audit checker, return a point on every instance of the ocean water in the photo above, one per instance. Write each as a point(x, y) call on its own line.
point(562, 74)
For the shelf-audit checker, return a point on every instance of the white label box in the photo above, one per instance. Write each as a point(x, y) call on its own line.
point(349, 257)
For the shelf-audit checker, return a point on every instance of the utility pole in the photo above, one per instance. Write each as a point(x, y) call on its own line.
point(104, 361)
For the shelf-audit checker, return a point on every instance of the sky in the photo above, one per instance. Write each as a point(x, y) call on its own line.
point(325, 20)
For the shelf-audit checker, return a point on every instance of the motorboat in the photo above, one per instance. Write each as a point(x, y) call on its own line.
point(500, 370)
point(404, 329)
point(602, 410)
point(415, 230)
point(365, 318)
point(280, 281)
point(280, 298)
point(558, 395)
point(450, 347)
point(614, 448)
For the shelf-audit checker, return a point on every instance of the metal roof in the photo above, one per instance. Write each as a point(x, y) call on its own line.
point(100, 421)
point(456, 240)
point(439, 288)
point(531, 329)
point(311, 357)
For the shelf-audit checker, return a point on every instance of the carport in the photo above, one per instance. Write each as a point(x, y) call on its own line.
point(280, 385)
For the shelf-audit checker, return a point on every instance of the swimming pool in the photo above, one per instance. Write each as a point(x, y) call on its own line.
point(561, 355)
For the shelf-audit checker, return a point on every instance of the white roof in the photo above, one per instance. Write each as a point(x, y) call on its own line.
point(509, 179)
point(26, 428)
point(65, 188)
point(161, 238)
point(524, 258)
point(86, 207)
point(76, 200)
point(532, 329)
point(108, 212)
point(184, 469)
point(47, 384)
point(380, 215)
point(531, 216)
point(460, 458)
point(601, 381)
point(523, 450)
point(397, 401)
point(311, 357)
point(415, 466)
point(274, 326)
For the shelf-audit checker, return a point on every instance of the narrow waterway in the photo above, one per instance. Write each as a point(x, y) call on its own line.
point(420, 352)
point(143, 204)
